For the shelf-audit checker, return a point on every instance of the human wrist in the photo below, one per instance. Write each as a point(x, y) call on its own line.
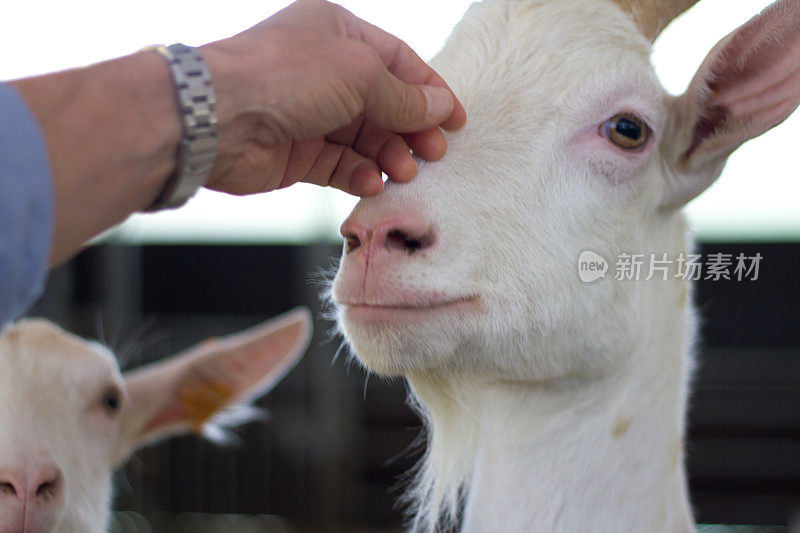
point(233, 82)
point(154, 97)
point(253, 76)
point(196, 103)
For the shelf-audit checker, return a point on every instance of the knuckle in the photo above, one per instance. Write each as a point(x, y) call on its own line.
point(408, 106)
point(360, 66)
point(401, 51)
point(363, 59)
point(311, 39)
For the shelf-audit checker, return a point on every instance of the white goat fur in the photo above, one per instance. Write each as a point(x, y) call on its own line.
point(560, 405)
point(51, 413)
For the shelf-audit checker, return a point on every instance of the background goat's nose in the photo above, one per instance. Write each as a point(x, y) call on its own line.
point(406, 233)
point(40, 483)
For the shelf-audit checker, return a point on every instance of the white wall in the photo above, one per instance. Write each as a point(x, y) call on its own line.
point(758, 197)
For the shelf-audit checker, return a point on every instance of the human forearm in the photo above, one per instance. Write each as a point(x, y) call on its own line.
point(111, 132)
point(312, 94)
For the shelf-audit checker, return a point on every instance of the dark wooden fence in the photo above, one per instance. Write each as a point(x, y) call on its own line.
point(321, 459)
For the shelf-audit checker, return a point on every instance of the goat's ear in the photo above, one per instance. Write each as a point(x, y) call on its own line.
point(183, 392)
point(749, 83)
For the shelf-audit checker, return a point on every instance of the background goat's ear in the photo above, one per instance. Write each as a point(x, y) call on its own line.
point(183, 392)
point(749, 83)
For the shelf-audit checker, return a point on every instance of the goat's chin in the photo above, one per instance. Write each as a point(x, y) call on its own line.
point(398, 348)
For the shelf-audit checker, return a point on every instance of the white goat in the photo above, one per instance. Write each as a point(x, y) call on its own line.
point(550, 404)
point(68, 417)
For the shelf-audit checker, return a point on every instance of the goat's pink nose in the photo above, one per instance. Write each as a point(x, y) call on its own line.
point(403, 233)
point(37, 484)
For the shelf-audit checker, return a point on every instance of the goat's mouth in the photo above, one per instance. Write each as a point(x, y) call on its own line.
point(383, 311)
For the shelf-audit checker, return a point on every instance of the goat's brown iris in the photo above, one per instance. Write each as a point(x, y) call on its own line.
point(627, 131)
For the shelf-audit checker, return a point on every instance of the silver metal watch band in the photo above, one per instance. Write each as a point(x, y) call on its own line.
point(196, 104)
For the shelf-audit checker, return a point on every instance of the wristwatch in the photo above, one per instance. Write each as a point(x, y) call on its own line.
point(196, 105)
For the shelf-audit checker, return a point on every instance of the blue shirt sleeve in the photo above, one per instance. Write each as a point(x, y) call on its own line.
point(26, 207)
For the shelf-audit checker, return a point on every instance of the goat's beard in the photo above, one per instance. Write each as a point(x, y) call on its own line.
point(396, 350)
point(495, 345)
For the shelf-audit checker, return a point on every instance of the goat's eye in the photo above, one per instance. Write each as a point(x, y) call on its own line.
point(627, 131)
point(112, 400)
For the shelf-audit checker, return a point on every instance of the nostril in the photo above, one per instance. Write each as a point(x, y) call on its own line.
point(49, 486)
point(46, 489)
point(400, 240)
point(351, 242)
point(7, 489)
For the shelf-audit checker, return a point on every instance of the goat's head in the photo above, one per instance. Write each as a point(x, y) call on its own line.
point(571, 145)
point(69, 417)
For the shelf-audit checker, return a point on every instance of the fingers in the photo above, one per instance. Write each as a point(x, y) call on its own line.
point(355, 170)
point(352, 72)
point(342, 167)
point(428, 144)
point(394, 157)
point(397, 106)
point(391, 151)
point(388, 150)
point(302, 156)
point(364, 181)
point(403, 63)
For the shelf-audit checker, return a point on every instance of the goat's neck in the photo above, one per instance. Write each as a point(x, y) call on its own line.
point(573, 455)
point(610, 459)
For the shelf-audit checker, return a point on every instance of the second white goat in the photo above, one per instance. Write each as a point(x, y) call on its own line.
point(68, 418)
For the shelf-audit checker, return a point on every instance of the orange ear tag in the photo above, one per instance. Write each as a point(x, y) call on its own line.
point(201, 400)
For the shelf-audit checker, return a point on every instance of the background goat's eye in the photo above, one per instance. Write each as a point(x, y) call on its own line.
point(626, 131)
point(112, 400)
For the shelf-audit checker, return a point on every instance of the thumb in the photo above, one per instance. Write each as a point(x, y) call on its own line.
point(404, 108)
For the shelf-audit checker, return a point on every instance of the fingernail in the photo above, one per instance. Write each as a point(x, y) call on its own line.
point(440, 102)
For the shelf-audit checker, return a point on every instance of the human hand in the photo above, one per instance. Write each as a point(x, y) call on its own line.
point(316, 94)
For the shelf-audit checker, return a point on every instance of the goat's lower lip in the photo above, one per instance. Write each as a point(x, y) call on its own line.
point(410, 311)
